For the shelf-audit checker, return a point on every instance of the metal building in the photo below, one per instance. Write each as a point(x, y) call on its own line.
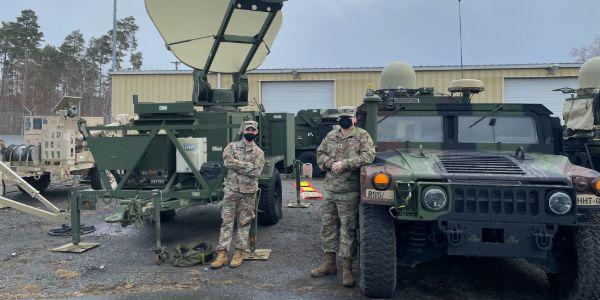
point(289, 90)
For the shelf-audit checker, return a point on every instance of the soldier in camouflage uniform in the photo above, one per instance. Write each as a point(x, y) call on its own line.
point(244, 161)
point(343, 151)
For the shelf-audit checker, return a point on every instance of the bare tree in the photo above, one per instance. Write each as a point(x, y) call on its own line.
point(584, 53)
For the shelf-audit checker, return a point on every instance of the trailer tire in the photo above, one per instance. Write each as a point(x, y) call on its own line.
point(579, 264)
point(168, 215)
point(40, 184)
point(310, 157)
point(377, 251)
point(95, 179)
point(270, 206)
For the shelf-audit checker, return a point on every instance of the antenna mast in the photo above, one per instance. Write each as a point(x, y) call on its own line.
point(114, 38)
point(460, 38)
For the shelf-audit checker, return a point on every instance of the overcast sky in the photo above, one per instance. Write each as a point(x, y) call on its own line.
point(361, 33)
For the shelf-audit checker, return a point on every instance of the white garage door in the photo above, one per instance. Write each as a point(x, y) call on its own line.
point(292, 96)
point(538, 90)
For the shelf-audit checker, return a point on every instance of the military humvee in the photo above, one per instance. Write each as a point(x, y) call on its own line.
point(457, 178)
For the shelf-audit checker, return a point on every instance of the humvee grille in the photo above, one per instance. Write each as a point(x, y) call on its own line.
point(498, 201)
point(474, 164)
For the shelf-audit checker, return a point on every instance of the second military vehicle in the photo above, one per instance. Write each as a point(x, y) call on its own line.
point(312, 125)
point(53, 149)
point(486, 180)
point(582, 117)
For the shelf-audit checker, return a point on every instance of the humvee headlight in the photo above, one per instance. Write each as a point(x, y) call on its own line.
point(560, 203)
point(381, 181)
point(434, 198)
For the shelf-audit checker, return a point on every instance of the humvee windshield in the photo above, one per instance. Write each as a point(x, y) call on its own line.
point(410, 128)
point(501, 129)
point(492, 129)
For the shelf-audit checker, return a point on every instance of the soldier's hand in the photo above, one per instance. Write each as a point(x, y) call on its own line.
point(337, 167)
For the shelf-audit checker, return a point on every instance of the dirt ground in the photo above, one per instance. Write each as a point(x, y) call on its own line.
point(122, 267)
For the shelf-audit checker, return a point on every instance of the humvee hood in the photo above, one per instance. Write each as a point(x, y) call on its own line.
point(478, 165)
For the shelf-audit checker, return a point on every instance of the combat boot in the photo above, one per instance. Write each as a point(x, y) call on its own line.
point(221, 259)
point(347, 279)
point(237, 259)
point(328, 266)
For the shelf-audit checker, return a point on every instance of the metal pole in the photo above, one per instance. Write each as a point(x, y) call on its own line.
point(460, 37)
point(218, 80)
point(114, 37)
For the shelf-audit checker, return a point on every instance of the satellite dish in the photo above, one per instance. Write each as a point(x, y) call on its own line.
point(66, 102)
point(226, 36)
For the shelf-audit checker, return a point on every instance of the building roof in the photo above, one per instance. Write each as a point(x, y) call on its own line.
point(365, 69)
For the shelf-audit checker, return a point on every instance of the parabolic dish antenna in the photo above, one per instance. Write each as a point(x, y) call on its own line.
point(225, 36)
point(66, 102)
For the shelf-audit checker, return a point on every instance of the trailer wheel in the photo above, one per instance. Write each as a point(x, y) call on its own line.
point(269, 207)
point(310, 157)
point(95, 179)
point(579, 264)
point(377, 251)
point(40, 184)
point(168, 215)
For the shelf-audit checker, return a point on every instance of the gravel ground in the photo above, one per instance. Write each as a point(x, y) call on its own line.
point(123, 268)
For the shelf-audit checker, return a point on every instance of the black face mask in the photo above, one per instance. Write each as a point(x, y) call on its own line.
point(249, 136)
point(345, 122)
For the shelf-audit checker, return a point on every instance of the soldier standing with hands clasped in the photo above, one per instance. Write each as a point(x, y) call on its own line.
point(343, 151)
point(244, 161)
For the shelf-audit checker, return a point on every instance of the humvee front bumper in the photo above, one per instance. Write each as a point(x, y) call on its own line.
point(502, 220)
point(494, 239)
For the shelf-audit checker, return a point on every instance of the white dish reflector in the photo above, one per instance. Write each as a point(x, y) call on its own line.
point(189, 28)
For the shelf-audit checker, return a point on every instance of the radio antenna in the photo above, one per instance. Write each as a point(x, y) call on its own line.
point(460, 39)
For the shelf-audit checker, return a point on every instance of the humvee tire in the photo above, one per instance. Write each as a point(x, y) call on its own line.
point(269, 207)
point(377, 252)
point(95, 179)
point(40, 184)
point(311, 158)
point(579, 264)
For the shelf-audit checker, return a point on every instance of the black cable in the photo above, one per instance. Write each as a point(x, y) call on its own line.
point(65, 230)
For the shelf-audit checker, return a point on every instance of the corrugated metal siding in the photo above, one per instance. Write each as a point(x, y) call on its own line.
point(350, 87)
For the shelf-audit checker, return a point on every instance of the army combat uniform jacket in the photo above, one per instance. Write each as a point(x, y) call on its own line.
point(244, 165)
point(353, 150)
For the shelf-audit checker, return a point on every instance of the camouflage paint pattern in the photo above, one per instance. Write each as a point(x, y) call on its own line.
point(408, 162)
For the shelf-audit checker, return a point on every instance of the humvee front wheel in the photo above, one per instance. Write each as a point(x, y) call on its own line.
point(377, 251)
point(40, 184)
point(579, 263)
point(269, 207)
